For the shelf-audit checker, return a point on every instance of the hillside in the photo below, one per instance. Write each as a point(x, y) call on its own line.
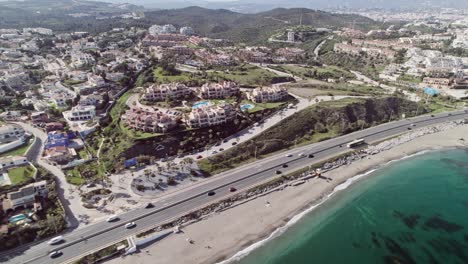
point(54, 14)
point(221, 23)
point(252, 27)
point(317, 123)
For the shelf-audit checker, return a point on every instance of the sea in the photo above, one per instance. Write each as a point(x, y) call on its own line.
point(413, 210)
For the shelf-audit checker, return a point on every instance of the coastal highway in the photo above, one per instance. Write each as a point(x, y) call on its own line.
point(85, 240)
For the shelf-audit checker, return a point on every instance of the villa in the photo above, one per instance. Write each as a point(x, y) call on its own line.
point(149, 120)
point(218, 90)
point(25, 196)
point(267, 94)
point(211, 115)
point(80, 113)
point(164, 91)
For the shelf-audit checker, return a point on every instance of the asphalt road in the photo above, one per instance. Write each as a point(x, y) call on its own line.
point(82, 241)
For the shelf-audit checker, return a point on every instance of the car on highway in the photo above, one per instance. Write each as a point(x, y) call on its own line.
point(55, 254)
point(221, 149)
point(55, 240)
point(214, 152)
point(218, 144)
point(413, 125)
point(211, 193)
point(232, 189)
point(301, 155)
point(225, 141)
point(112, 218)
point(149, 205)
point(234, 143)
point(130, 225)
point(285, 165)
point(199, 157)
point(432, 115)
point(288, 155)
point(311, 155)
point(278, 172)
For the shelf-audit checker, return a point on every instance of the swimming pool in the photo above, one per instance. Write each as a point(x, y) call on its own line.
point(16, 218)
point(200, 104)
point(246, 107)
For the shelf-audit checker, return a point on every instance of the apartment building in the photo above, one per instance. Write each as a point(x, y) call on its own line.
point(164, 91)
point(267, 94)
point(149, 120)
point(80, 113)
point(218, 90)
point(10, 133)
point(441, 83)
point(210, 115)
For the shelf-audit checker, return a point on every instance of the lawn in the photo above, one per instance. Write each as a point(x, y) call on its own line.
point(409, 78)
point(161, 77)
point(20, 174)
point(83, 154)
point(21, 150)
point(246, 75)
point(262, 106)
point(74, 177)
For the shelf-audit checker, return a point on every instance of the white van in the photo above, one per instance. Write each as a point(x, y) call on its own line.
point(112, 218)
point(55, 240)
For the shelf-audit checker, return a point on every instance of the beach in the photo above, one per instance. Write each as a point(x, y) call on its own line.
point(222, 235)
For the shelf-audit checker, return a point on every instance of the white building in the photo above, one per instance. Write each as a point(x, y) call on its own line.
point(8, 162)
point(10, 133)
point(291, 36)
point(80, 113)
point(188, 31)
point(25, 196)
point(267, 94)
point(218, 90)
point(164, 91)
point(210, 115)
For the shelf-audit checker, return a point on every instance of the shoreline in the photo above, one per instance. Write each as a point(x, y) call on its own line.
point(219, 239)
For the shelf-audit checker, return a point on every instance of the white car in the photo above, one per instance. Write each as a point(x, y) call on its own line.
point(130, 225)
point(214, 152)
point(288, 155)
point(112, 218)
point(301, 155)
point(55, 254)
point(55, 240)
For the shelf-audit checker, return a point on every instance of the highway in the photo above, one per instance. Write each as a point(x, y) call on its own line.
point(83, 241)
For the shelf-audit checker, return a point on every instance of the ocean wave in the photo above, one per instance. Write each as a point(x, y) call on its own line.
point(246, 251)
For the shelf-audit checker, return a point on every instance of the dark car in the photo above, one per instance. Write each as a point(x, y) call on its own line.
point(278, 172)
point(224, 141)
point(450, 114)
point(232, 189)
point(285, 165)
point(199, 157)
point(311, 155)
point(55, 254)
point(149, 205)
point(211, 193)
point(409, 128)
point(218, 144)
point(432, 115)
point(234, 143)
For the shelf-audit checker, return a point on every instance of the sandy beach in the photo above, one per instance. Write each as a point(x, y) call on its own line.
point(221, 235)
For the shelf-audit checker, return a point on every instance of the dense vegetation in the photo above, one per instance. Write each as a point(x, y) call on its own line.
point(316, 123)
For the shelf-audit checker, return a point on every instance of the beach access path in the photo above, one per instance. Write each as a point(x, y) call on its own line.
point(222, 235)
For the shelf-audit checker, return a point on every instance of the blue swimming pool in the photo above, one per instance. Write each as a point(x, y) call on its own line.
point(246, 107)
point(16, 218)
point(200, 104)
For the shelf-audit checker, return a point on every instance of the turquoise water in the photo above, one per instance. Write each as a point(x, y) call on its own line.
point(16, 218)
point(246, 107)
point(412, 211)
point(199, 104)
